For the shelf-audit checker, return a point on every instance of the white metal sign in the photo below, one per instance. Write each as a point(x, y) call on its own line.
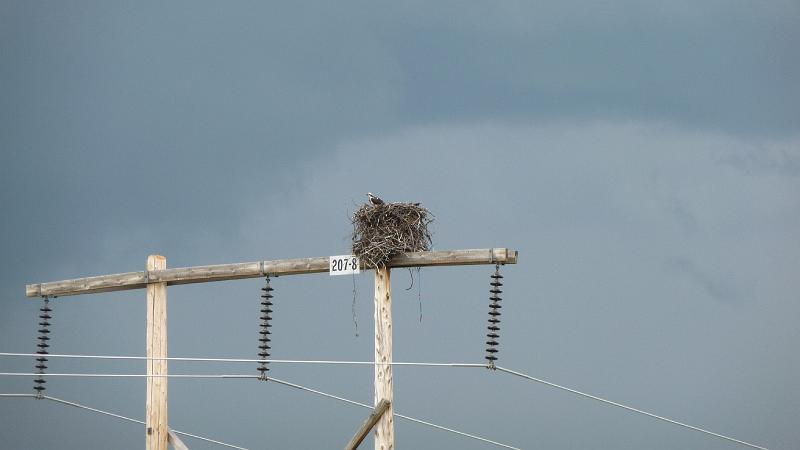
point(344, 265)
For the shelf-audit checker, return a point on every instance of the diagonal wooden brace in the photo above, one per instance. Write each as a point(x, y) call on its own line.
point(368, 424)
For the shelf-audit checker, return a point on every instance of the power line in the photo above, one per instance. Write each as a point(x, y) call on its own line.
point(285, 383)
point(619, 405)
point(364, 405)
point(122, 375)
point(95, 410)
point(422, 364)
point(121, 417)
point(246, 360)
point(182, 433)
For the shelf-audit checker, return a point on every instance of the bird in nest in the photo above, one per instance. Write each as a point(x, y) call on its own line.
point(374, 200)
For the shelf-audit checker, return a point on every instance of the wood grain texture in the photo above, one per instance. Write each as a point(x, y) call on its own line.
point(157, 423)
point(366, 427)
point(223, 272)
point(384, 388)
point(455, 258)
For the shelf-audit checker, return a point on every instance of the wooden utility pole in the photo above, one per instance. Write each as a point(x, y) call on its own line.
point(384, 429)
point(157, 423)
point(157, 277)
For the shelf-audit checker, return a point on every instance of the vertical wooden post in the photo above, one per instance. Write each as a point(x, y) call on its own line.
point(384, 429)
point(157, 424)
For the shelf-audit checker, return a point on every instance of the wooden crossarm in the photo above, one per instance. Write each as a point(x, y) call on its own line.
point(222, 272)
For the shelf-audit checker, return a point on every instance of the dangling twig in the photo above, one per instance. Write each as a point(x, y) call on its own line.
point(355, 319)
point(419, 292)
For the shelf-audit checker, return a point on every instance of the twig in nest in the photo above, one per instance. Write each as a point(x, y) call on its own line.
point(386, 230)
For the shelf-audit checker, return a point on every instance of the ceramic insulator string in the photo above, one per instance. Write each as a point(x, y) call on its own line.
point(264, 331)
point(42, 347)
point(493, 328)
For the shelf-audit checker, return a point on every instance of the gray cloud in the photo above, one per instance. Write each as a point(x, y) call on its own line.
point(590, 305)
point(597, 139)
point(764, 160)
point(716, 287)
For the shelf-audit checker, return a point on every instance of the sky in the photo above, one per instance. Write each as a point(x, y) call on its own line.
point(642, 157)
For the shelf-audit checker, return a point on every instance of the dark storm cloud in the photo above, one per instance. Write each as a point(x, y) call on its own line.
point(721, 65)
point(144, 119)
point(107, 106)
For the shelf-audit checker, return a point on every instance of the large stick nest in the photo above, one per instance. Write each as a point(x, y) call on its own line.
point(383, 231)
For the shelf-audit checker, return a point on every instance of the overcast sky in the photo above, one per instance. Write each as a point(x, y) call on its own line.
point(643, 157)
